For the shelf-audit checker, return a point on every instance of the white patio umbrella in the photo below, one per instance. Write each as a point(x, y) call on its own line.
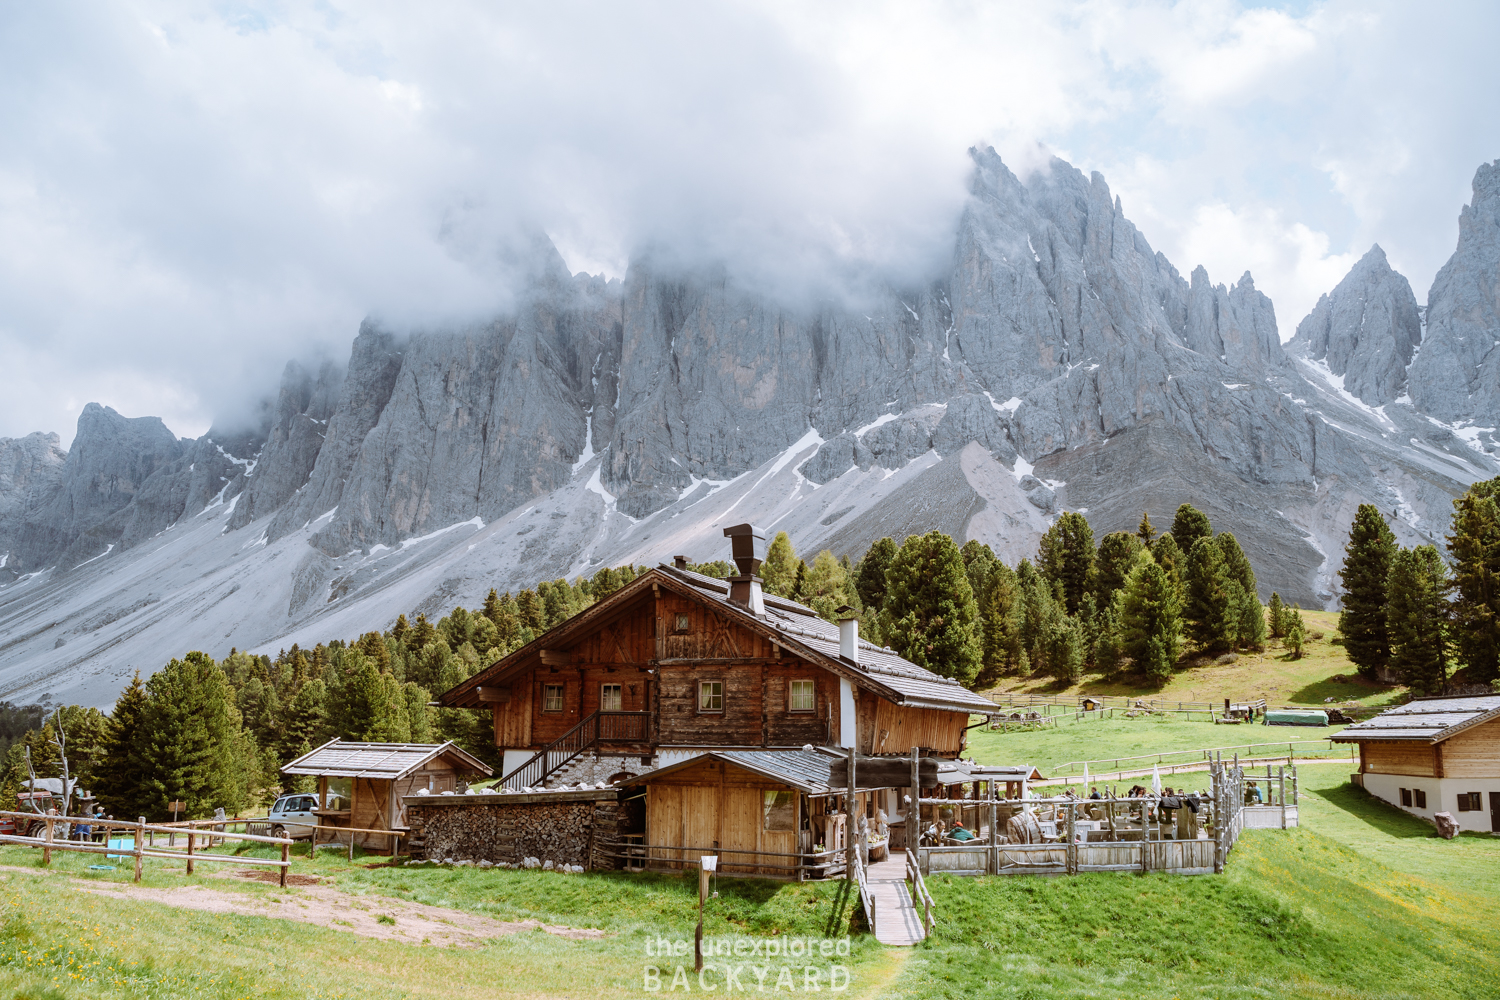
point(1155, 780)
point(1084, 792)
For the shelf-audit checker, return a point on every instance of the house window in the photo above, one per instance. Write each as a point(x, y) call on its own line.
point(684, 622)
point(779, 812)
point(710, 696)
point(1470, 801)
point(552, 697)
point(1406, 797)
point(610, 698)
point(1420, 796)
point(801, 696)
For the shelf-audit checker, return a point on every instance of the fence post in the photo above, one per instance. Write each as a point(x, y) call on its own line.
point(47, 851)
point(285, 847)
point(140, 844)
point(191, 835)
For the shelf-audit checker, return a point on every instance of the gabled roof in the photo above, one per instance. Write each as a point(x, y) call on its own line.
point(793, 626)
point(1428, 720)
point(337, 759)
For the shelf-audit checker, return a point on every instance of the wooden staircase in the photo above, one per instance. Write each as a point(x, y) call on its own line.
point(595, 729)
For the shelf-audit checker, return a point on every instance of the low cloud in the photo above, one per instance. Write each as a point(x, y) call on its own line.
point(190, 196)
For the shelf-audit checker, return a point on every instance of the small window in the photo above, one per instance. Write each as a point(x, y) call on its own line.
point(710, 696)
point(1470, 802)
point(801, 696)
point(552, 697)
point(1421, 797)
point(779, 812)
point(684, 622)
point(610, 697)
point(1406, 797)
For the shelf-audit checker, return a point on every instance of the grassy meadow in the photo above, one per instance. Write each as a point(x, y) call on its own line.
point(1272, 675)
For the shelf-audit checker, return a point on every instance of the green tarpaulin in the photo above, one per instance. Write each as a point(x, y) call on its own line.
point(1296, 717)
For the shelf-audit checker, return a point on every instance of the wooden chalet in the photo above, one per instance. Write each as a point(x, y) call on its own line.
point(361, 785)
point(676, 664)
point(1434, 755)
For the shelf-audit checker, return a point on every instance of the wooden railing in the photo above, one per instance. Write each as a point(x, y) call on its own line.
point(866, 899)
point(140, 831)
point(920, 897)
point(595, 728)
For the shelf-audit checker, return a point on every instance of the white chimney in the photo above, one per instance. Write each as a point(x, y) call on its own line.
point(848, 634)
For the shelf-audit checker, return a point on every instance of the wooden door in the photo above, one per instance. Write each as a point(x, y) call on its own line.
point(664, 822)
point(700, 807)
point(742, 821)
point(1495, 812)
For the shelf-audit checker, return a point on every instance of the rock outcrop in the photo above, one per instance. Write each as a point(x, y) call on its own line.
point(1366, 330)
point(1456, 375)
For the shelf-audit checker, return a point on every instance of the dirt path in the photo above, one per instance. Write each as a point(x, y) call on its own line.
point(323, 905)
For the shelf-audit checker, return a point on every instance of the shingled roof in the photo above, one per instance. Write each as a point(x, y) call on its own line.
point(1427, 720)
point(337, 759)
point(795, 627)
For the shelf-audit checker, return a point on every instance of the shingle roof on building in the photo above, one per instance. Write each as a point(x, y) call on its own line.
point(337, 759)
point(1426, 719)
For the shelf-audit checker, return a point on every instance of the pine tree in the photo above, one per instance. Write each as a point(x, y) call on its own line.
point(778, 573)
point(1065, 649)
point(999, 607)
point(979, 562)
point(1109, 646)
point(799, 584)
point(1418, 618)
point(1065, 558)
point(1146, 532)
point(398, 630)
point(1247, 628)
point(1150, 620)
point(1209, 616)
point(1296, 632)
point(194, 747)
point(1367, 567)
point(1275, 615)
point(492, 606)
point(1117, 554)
point(531, 613)
point(826, 586)
point(306, 723)
point(119, 772)
point(930, 615)
point(1172, 560)
point(1039, 611)
point(869, 575)
point(1474, 546)
point(1189, 525)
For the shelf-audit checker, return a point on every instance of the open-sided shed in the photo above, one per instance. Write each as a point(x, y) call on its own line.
point(361, 785)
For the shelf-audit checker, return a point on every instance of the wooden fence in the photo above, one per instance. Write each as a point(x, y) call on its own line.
point(1132, 840)
point(1198, 758)
point(1047, 709)
point(139, 848)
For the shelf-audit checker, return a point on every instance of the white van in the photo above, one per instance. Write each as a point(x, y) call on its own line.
point(293, 815)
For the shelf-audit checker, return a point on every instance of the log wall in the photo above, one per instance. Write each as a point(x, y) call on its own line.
point(1473, 753)
point(1398, 757)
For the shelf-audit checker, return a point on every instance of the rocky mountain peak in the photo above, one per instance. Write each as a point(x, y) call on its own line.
point(1366, 330)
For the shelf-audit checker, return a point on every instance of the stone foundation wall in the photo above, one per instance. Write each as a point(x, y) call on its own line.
point(591, 770)
point(561, 827)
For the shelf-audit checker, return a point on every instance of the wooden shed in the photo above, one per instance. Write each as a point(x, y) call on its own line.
point(761, 812)
point(1434, 755)
point(361, 785)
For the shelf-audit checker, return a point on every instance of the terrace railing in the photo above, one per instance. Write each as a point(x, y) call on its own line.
point(594, 729)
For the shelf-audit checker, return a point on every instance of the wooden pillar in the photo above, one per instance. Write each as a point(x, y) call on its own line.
point(140, 845)
point(849, 825)
point(994, 832)
point(191, 837)
point(47, 851)
point(1071, 857)
point(286, 846)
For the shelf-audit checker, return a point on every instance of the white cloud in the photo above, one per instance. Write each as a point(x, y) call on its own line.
point(189, 195)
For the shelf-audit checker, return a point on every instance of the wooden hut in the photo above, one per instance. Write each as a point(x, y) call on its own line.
point(1434, 755)
point(761, 812)
point(361, 785)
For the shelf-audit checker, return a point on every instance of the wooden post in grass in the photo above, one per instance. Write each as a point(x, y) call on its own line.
point(191, 836)
point(286, 846)
point(140, 844)
point(47, 850)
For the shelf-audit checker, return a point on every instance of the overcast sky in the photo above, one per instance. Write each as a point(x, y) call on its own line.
point(192, 194)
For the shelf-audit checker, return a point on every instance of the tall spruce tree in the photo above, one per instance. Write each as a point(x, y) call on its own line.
point(979, 562)
point(1188, 525)
point(869, 574)
point(195, 749)
point(930, 615)
point(1474, 546)
point(999, 607)
point(120, 772)
point(1246, 613)
point(1065, 558)
point(1367, 568)
point(1117, 554)
point(1275, 615)
point(1146, 531)
point(1172, 560)
point(1150, 620)
point(1418, 618)
point(1208, 612)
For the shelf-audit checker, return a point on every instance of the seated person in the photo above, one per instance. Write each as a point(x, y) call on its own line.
point(959, 832)
point(1252, 794)
point(1094, 792)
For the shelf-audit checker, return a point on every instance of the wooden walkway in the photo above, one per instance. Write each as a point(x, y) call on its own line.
point(897, 921)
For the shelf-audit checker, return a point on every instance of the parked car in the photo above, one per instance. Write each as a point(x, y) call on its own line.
point(293, 815)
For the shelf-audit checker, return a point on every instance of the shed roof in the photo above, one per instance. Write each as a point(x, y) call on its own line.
point(337, 759)
point(1428, 720)
point(821, 772)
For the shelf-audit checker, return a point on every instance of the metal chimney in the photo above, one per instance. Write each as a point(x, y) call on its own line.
point(848, 634)
point(748, 550)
